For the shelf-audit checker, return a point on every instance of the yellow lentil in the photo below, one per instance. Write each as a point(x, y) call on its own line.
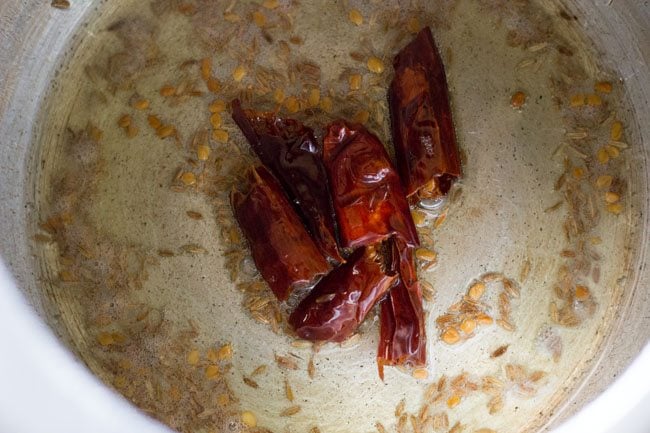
point(361, 116)
point(602, 155)
point(450, 336)
point(420, 373)
point(188, 178)
point(215, 120)
point(259, 19)
point(314, 97)
point(603, 87)
point(355, 81)
point(419, 217)
point(484, 319)
point(193, 357)
point(217, 106)
point(594, 100)
point(292, 105)
point(270, 4)
point(578, 172)
point(612, 197)
point(220, 135)
point(278, 96)
point(131, 131)
point(604, 181)
point(212, 371)
point(468, 326)
point(582, 293)
point(577, 100)
point(166, 131)
point(616, 131)
point(202, 152)
point(105, 339)
point(249, 419)
point(453, 401)
point(413, 25)
point(612, 151)
point(213, 85)
point(615, 208)
point(375, 65)
point(154, 121)
point(141, 104)
point(167, 90)
point(518, 100)
point(225, 351)
point(326, 104)
point(355, 17)
point(239, 73)
point(124, 121)
point(476, 290)
point(231, 17)
point(206, 68)
point(426, 254)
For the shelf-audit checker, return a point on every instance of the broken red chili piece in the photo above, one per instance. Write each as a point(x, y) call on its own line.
point(282, 249)
point(366, 190)
point(290, 151)
point(339, 303)
point(402, 339)
point(423, 132)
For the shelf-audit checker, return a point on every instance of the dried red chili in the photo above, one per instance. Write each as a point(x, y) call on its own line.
point(366, 190)
point(423, 132)
point(283, 251)
point(402, 339)
point(339, 303)
point(290, 151)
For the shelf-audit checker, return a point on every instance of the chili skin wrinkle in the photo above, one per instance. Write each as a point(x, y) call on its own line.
point(290, 151)
point(339, 303)
point(366, 191)
point(282, 249)
point(423, 132)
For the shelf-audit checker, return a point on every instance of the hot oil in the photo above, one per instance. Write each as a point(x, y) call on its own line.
point(153, 285)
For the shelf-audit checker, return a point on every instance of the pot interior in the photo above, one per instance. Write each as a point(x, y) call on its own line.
point(145, 276)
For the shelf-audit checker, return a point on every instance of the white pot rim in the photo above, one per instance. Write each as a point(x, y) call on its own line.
point(46, 389)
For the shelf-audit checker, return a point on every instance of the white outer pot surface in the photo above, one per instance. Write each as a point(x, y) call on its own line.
point(43, 388)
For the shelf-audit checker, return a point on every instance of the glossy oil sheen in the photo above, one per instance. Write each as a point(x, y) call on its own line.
point(367, 194)
point(290, 151)
point(354, 289)
point(421, 119)
point(283, 251)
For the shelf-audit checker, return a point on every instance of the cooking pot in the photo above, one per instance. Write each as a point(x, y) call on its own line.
point(43, 387)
